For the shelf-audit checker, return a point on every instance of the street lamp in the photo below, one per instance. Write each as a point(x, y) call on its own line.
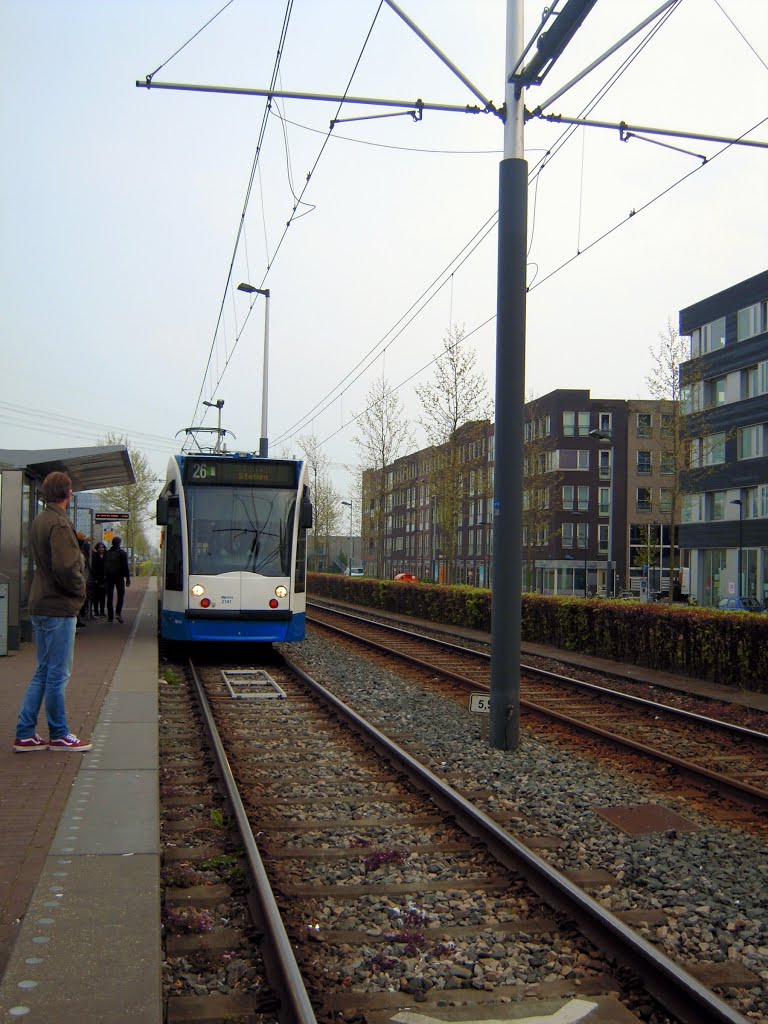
point(605, 435)
point(737, 501)
point(351, 542)
point(250, 290)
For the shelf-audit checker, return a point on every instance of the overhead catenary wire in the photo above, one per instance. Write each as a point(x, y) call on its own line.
point(298, 201)
point(542, 163)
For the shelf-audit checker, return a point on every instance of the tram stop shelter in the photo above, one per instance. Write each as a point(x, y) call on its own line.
point(21, 498)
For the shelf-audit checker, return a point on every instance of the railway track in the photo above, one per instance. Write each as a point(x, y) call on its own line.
point(395, 890)
point(710, 751)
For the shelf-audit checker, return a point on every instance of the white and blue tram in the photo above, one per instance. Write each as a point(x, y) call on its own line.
point(234, 549)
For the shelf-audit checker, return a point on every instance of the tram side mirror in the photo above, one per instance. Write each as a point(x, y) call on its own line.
point(305, 514)
point(161, 513)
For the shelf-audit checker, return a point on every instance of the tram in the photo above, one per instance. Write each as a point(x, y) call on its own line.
point(234, 548)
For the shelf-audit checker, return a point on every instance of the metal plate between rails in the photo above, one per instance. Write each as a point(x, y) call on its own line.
point(252, 684)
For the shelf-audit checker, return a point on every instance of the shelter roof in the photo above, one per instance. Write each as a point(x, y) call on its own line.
point(89, 468)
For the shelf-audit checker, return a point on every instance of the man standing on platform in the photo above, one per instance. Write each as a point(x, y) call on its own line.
point(117, 575)
point(56, 595)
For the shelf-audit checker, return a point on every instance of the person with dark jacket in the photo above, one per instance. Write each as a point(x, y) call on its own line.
point(56, 595)
point(117, 575)
point(98, 580)
point(85, 548)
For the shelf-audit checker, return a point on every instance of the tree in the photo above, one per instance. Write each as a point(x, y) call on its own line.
point(685, 448)
point(317, 465)
point(136, 499)
point(384, 434)
point(327, 503)
point(456, 408)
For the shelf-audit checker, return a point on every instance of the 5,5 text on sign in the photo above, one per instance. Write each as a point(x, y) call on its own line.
point(480, 703)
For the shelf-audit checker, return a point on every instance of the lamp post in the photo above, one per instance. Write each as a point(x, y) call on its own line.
point(250, 290)
point(738, 501)
point(351, 542)
point(604, 435)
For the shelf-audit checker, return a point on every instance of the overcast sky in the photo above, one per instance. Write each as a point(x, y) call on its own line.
point(121, 208)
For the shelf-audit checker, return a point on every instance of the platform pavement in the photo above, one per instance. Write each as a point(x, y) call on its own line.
point(80, 854)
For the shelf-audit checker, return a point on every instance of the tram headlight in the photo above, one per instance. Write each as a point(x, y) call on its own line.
point(281, 591)
point(198, 590)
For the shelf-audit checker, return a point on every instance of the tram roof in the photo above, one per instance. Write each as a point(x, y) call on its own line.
point(89, 468)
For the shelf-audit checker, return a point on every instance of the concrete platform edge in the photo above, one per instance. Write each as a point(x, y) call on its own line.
point(89, 947)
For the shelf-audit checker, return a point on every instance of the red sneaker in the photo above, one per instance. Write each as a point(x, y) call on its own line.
point(69, 742)
point(30, 743)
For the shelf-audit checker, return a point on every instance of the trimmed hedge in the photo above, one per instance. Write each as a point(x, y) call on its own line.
point(727, 647)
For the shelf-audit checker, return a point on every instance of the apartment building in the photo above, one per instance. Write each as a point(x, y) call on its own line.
point(596, 511)
point(724, 528)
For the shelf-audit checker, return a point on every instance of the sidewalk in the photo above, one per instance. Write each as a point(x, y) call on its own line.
point(34, 787)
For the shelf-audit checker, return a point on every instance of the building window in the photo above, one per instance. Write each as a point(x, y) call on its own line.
point(604, 501)
point(665, 499)
point(582, 535)
point(605, 460)
point(713, 449)
point(569, 424)
point(755, 502)
point(569, 458)
point(643, 499)
point(644, 462)
point(667, 463)
point(667, 425)
point(751, 443)
point(583, 424)
point(708, 338)
point(715, 505)
point(755, 380)
point(567, 535)
point(692, 508)
point(583, 498)
point(751, 321)
point(714, 392)
point(605, 419)
point(602, 537)
point(692, 398)
point(644, 424)
point(568, 496)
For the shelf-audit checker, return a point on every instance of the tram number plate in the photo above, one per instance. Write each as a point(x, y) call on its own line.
point(480, 703)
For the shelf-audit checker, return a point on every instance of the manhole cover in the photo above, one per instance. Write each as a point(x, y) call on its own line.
point(251, 684)
point(636, 821)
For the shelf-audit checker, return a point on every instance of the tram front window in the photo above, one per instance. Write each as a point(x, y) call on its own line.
point(240, 529)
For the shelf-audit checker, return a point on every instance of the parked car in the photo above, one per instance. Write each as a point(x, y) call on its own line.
point(354, 571)
point(407, 577)
point(740, 604)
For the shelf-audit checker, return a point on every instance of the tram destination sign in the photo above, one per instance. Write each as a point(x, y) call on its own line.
point(111, 517)
point(245, 472)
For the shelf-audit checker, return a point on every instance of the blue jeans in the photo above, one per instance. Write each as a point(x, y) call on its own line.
point(55, 644)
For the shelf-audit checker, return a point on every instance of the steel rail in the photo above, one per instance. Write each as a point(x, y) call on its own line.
point(730, 786)
point(295, 1006)
point(672, 986)
point(730, 727)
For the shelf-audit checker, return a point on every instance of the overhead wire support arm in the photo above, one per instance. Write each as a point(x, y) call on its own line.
point(489, 106)
point(622, 127)
point(626, 136)
point(603, 57)
point(235, 90)
point(417, 115)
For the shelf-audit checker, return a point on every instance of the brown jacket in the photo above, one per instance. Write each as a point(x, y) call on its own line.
point(58, 586)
